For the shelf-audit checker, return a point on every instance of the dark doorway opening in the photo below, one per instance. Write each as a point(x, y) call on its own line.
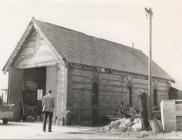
point(155, 98)
point(130, 96)
point(95, 103)
point(34, 88)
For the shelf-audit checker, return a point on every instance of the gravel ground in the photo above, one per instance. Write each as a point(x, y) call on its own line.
point(137, 135)
point(22, 130)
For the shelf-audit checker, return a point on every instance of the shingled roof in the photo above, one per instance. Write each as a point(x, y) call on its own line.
point(77, 47)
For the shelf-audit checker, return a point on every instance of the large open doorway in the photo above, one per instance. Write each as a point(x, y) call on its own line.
point(34, 88)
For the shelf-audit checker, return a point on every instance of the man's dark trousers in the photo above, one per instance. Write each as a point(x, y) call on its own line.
point(48, 114)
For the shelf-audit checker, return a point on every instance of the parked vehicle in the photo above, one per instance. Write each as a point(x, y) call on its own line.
point(6, 112)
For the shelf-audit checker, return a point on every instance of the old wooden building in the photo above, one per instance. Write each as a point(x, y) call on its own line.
point(90, 77)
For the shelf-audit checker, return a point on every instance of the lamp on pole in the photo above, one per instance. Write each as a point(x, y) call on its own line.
point(149, 14)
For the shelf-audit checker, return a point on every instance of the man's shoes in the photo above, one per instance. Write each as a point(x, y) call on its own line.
point(50, 130)
point(44, 130)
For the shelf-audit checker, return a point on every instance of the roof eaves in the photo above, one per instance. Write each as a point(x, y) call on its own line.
point(165, 75)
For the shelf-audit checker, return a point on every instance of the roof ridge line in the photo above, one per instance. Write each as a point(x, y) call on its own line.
point(51, 28)
point(117, 43)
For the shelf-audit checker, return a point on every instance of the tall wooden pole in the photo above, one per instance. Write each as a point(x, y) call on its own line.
point(150, 13)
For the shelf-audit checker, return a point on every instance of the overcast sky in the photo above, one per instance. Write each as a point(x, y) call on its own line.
point(122, 21)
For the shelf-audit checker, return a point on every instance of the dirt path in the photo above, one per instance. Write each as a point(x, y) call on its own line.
point(22, 130)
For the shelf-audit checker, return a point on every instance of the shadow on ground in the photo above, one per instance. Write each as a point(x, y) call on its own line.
point(14, 124)
point(79, 132)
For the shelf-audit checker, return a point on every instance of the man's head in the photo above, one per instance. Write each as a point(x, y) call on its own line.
point(49, 91)
point(139, 92)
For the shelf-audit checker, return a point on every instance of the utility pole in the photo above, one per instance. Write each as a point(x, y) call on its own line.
point(150, 14)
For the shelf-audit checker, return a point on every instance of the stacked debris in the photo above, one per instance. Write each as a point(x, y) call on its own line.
point(125, 125)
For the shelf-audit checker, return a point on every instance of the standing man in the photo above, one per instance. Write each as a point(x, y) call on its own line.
point(142, 96)
point(121, 110)
point(48, 104)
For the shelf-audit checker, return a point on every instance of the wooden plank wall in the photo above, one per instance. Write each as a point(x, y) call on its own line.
point(35, 52)
point(113, 90)
point(79, 93)
point(15, 85)
point(161, 86)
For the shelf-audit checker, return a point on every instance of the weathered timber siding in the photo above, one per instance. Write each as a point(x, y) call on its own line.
point(79, 93)
point(142, 83)
point(113, 90)
point(35, 52)
point(139, 82)
point(162, 90)
point(112, 93)
point(15, 91)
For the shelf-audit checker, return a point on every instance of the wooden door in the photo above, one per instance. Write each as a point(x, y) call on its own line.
point(52, 81)
point(15, 85)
